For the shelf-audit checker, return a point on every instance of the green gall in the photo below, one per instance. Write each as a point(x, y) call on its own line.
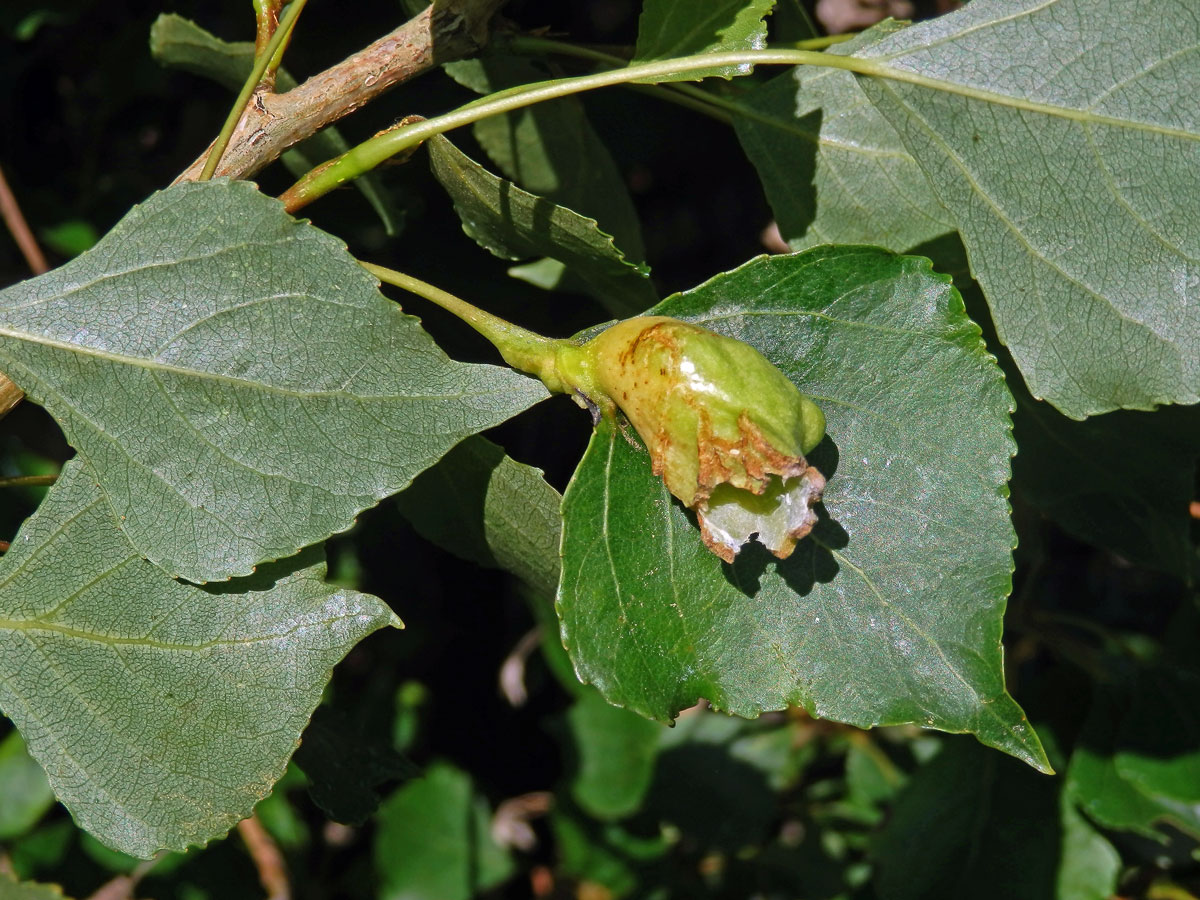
point(726, 430)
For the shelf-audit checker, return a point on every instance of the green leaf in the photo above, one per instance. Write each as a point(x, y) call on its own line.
point(1158, 748)
point(1068, 160)
point(346, 767)
point(892, 610)
point(514, 224)
point(178, 43)
point(669, 28)
point(833, 168)
point(433, 842)
point(616, 750)
point(1107, 779)
point(23, 787)
point(28, 890)
point(481, 505)
point(974, 824)
point(161, 711)
point(1090, 865)
point(1121, 481)
point(550, 149)
point(236, 380)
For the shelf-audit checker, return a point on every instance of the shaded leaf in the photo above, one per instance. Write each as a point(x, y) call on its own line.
point(669, 28)
point(432, 841)
point(1069, 162)
point(1106, 778)
point(161, 711)
point(1158, 747)
point(974, 824)
point(178, 43)
point(833, 168)
point(892, 610)
point(236, 380)
point(28, 890)
point(617, 750)
point(514, 224)
point(1121, 481)
point(1090, 865)
point(23, 786)
point(482, 505)
point(346, 767)
point(550, 149)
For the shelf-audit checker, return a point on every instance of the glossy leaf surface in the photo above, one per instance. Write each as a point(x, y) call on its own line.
point(1069, 163)
point(236, 380)
point(161, 711)
point(891, 610)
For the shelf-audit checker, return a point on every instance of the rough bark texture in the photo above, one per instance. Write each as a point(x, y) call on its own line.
point(447, 30)
point(274, 122)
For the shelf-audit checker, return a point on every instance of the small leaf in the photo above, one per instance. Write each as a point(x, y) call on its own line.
point(1107, 777)
point(1068, 161)
point(833, 168)
point(551, 150)
point(1158, 747)
point(346, 766)
point(236, 380)
point(432, 841)
point(891, 611)
point(669, 28)
point(161, 711)
point(28, 890)
point(617, 750)
point(971, 823)
point(23, 785)
point(482, 505)
point(513, 224)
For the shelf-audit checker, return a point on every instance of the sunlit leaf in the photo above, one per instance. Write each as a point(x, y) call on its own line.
point(1070, 162)
point(161, 711)
point(237, 382)
point(891, 611)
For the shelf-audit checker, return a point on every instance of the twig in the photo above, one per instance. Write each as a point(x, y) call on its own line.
point(19, 229)
point(123, 886)
point(271, 54)
point(275, 122)
point(272, 871)
point(266, 17)
point(512, 670)
point(28, 481)
point(10, 394)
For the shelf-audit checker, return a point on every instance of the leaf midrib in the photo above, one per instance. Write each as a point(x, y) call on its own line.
point(159, 366)
point(877, 67)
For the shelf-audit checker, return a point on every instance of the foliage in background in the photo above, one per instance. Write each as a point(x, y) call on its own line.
point(1045, 168)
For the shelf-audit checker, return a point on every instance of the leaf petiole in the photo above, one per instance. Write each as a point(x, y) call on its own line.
point(269, 58)
point(28, 481)
point(369, 154)
point(522, 349)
